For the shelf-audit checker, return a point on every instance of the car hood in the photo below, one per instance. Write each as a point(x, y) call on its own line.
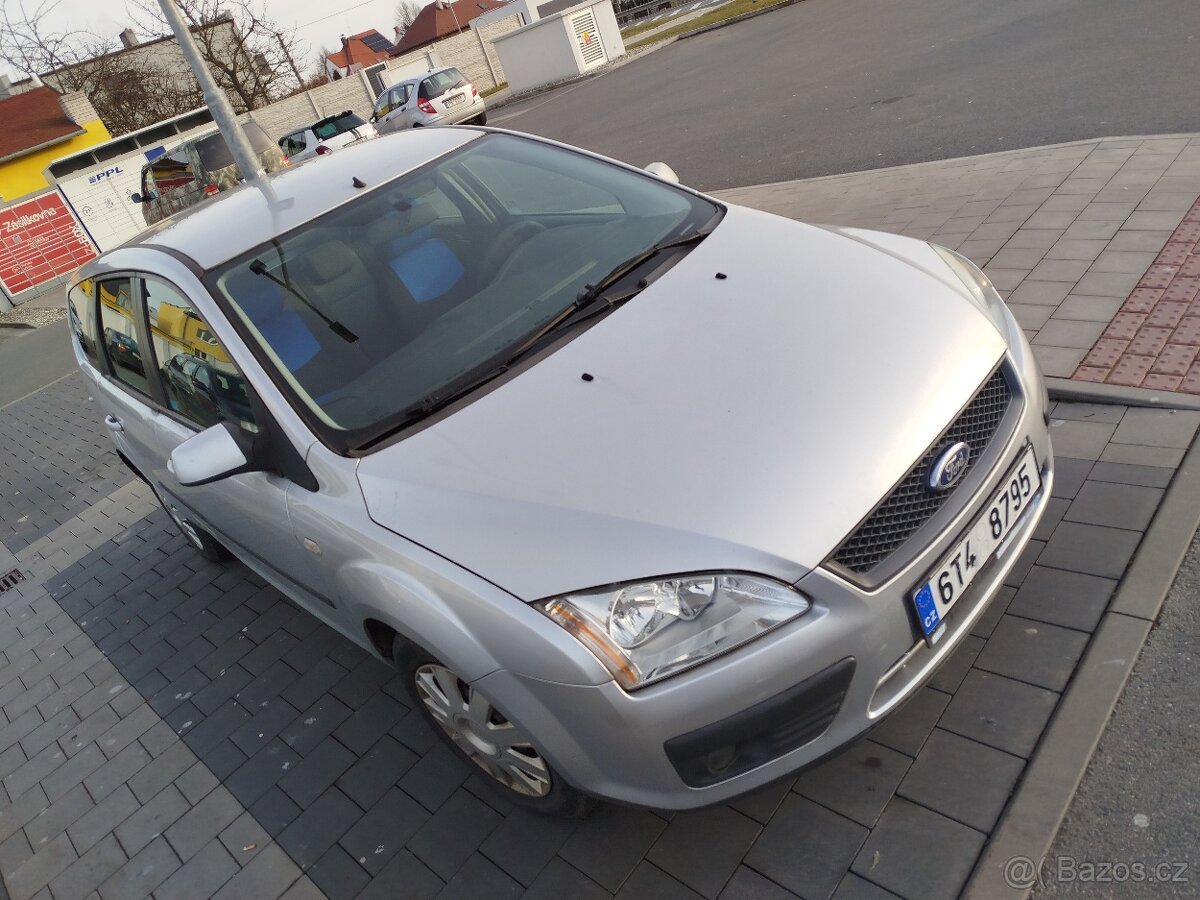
point(747, 422)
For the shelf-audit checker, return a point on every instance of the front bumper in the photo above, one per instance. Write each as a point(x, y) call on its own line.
point(634, 747)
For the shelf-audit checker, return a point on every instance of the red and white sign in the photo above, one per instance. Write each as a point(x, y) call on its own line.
point(40, 240)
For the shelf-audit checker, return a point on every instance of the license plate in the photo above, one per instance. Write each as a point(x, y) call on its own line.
point(454, 101)
point(950, 580)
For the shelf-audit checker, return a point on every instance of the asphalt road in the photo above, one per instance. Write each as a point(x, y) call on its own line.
point(830, 86)
point(31, 359)
point(1139, 802)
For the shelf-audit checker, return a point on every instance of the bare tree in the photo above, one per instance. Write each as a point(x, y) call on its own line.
point(127, 89)
point(406, 12)
point(253, 57)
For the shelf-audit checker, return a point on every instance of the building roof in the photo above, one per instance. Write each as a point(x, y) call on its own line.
point(434, 22)
point(366, 47)
point(32, 120)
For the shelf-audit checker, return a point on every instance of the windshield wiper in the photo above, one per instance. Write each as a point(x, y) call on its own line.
point(591, 301)
point(258, 267)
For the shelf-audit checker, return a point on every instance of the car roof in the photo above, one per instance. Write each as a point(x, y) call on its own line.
point(235, 221)
point(416, 79)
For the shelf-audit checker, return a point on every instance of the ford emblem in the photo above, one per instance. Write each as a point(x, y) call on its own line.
point(949, 467)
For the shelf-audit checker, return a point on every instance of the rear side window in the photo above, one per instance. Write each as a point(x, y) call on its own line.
point(334, 127)
point(119, 337)
point(81, 308)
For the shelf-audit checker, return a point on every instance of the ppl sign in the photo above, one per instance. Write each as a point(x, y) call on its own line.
point(107, 173)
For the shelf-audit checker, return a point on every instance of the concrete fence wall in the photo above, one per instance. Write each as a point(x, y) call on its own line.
point(353, 93)
point(472, 52)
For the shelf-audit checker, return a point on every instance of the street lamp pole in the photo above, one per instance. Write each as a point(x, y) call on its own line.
point(214, 97)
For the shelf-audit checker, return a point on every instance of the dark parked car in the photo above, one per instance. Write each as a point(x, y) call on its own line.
point(203, 392)
point(123, 350)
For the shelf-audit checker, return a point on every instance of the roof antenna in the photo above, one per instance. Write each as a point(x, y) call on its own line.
point(358, 182)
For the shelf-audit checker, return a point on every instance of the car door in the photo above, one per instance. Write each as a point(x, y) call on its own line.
point(399, 116)
point(247, 512)
point(125, 395)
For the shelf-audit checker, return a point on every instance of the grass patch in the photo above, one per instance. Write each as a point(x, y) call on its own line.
point(728, 11)
point(501, 86)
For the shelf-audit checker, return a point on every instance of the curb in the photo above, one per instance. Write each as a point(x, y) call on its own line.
point(968, 159)
point(742, 18)
point(1094, 392)
point(1026, 832)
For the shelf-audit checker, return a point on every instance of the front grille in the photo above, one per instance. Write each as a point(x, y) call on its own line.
point(911, 503)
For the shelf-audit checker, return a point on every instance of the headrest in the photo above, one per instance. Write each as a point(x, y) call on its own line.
point(331, 260)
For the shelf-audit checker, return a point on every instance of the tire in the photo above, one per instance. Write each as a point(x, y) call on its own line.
point(202, 542)
point(481, 119)
point(470, 725)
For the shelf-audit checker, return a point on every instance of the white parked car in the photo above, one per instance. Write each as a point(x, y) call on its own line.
point(648, 496)
point(325, 136)
point(442, 97)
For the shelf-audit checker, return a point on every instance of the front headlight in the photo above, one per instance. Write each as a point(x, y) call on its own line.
point(647, 630)
point(978, 284)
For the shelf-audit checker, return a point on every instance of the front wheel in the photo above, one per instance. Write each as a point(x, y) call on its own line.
point(202, 542)
point(482, 735)
point(481, 119)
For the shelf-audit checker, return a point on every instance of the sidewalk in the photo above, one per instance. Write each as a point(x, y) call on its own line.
point(174, 728)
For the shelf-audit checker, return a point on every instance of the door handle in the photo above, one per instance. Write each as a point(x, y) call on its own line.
point(113, 424)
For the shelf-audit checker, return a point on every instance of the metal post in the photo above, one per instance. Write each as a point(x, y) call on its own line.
point(214, 97)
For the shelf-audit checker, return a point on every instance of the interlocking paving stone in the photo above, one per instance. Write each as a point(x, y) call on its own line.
point(98, 822)
point(895, 856)
point(1114, 505)
point(649, 881)
point(320, 825)
point(202, 823)
point(1059, 597)
point(152, 819)
point(525, 842)
point(317, 771)
point(686, 851)
point(609, 843)
point(144, 872)
point(760, 805)
point(1033, 652)
point(87, 873)
point(419, 882)
point(907, 728)
point(384, 764)
point(1069, 475)
point(855, 888)
point(954, 670)
point(858, 782)
point(268, 874)
point(963, 779)
point(806, 847)
point(1090, 549)
point(746, 884)
point(1000, 712)
point(40, 869)
point(201, 876)
point(387, 827)
point(337, 875)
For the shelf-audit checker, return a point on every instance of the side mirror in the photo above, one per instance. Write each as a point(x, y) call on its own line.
point(663, 171)
point(213, 454)
point(137, 198)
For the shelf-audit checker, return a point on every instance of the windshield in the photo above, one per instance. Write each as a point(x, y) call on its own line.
point(333, 127)
point(439, 274)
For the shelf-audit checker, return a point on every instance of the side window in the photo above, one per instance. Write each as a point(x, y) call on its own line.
point(428, 88)
point(147, 183)
point(200, 381)
point(81, 308)
point(172, 171)
point(119, 336)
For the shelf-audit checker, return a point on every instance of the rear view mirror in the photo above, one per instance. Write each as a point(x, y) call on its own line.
point(213, 454)
point(663, 171)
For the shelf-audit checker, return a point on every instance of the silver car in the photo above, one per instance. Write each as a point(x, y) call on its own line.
point(326, 135)
point(441, 97)
point(649, 497)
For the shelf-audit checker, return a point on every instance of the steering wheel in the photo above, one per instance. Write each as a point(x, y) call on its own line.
point(510, 237)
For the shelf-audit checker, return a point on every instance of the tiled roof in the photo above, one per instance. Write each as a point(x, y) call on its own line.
point(33, 119)
point(434, 23)
point(366, 47)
